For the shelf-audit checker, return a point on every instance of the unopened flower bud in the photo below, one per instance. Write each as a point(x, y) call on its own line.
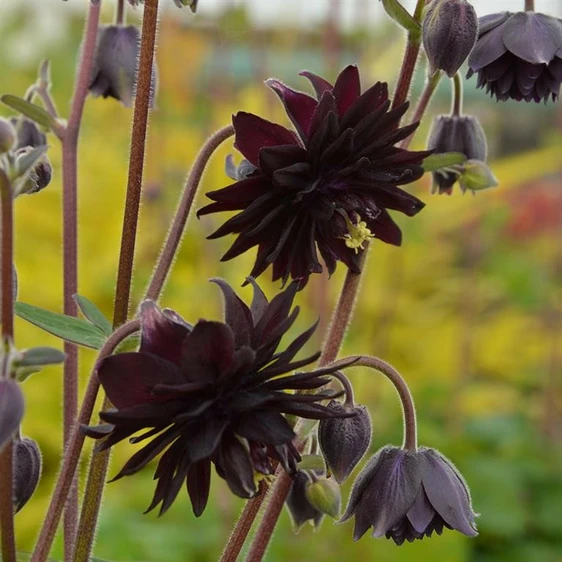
point(28, 133)
point(114, 73)
point(7, 136)
point(476, 176)
point(454, 133)
point(11, 408)
point(325, 496)
point(344, 441)
point(39, 177)
point(26, 459)
point(299, 506)
point(450, 30)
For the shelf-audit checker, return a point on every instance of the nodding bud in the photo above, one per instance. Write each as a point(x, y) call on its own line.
point(325, 496)
point(454, 133)
point(28, 133)
point(450, 30)
point(344, 441)
point(26, 462)
point(298, 504)
point(7, 136)
point(39, 177)
point(12, 407)
point(114, 73)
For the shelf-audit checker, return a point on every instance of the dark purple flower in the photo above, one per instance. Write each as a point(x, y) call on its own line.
point(326, 186)
point(26, 462)
point(114, 73)
point(212, 393)
point(407, 495)
point(518, 56)
point(455, 133)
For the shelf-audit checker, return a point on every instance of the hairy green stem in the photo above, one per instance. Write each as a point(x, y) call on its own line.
point(429, 89)
point(70, 253)
point(182, 212)
point(456, 109)
point(7, 533)
point(99, 462)
point(70, 461)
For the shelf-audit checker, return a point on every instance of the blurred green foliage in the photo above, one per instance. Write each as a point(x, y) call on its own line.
point(469, 309)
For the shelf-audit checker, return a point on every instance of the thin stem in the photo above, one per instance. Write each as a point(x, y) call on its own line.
point(529, 5)
point(244, 525)
point(423, 102)
point(7, 532)
point(120, 12)
point(70, 253)
point(72, 456)
point(99, 461)
point(136, 162)
point(457, 95)
point(182, 212)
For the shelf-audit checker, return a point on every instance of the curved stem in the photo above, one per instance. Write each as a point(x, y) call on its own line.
point(70, 252)
point(457, 95)
point(72, 456)
point(7, 533)
point(99, 461)
point(430, 86)
point(529, 5)
point(182, 212)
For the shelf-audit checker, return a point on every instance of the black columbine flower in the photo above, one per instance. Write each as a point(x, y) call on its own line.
point(518, 56)
point(325, 187)
point(211, 393)
point(406, 495)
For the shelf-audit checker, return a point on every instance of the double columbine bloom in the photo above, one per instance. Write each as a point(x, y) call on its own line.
point(408, 495)
point(214, 393)
point(324, 187)
point(518, 56)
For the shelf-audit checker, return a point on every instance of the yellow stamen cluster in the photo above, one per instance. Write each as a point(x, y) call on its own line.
point(358, 234)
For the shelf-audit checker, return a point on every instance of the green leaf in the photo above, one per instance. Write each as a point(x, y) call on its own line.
point(37, 356)
point(93, 314)
point(435, 162)
point(30, 110)
point(402, 17)
point(74, 330)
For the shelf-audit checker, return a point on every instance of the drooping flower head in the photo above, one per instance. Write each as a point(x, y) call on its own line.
point(213, 393)
point(408, 495)
point(518, 56)
point(324, 187)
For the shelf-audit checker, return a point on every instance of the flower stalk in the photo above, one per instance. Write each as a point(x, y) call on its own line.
point(7, 534)
point(70, 252)
point(457, 95)
point(99, 462)
point(529, 5)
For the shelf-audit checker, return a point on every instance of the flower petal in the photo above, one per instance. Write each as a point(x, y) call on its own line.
point(12, 407)
point(488, 48)
point(421, 513)
point(318, 83)
point(447, 492)
point(270, 428)
point(161, 334)
point(237, 466)
point(533, 37)
point(299, 106)
point(254, 133)
point(128, 378)
point(208, 351)
point(198, 485)
point(347, 88)
point(489, 22)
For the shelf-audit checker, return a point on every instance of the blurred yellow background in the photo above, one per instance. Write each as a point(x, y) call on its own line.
point(469, 309)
